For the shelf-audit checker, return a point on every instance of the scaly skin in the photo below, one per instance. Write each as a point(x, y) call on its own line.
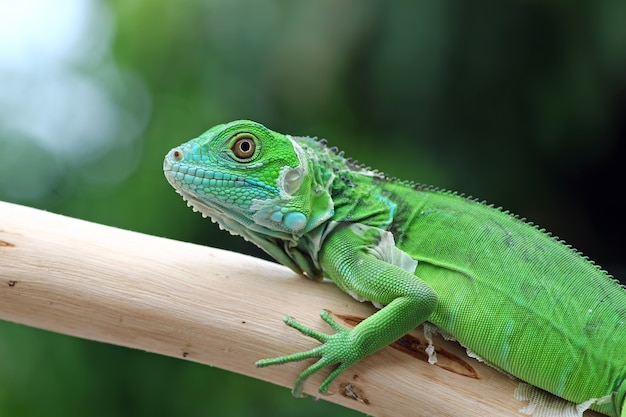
point(520, 299)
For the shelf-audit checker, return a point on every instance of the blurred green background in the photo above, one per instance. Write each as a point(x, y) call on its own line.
point(520, 103)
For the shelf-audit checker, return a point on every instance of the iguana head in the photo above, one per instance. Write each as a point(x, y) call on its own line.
point(250, 180)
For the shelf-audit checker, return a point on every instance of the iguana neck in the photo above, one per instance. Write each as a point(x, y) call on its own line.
point(358, 193)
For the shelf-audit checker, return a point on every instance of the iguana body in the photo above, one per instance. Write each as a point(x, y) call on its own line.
point(515, 296)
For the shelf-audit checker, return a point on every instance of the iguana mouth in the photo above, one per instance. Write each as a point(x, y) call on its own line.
point(215, 178)
point(175, 172)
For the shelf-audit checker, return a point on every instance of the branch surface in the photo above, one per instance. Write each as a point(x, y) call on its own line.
point(221, 309)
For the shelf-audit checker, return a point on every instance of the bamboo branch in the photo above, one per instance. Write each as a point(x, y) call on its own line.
point(218, 308)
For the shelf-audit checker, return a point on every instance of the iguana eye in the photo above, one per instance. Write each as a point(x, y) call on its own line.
point(244, 147)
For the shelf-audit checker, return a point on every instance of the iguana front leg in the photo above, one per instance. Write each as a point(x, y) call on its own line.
point(353, 256)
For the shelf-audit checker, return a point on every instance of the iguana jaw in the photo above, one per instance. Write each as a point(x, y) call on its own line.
point(277, 244)
point(213, 211)
point(231, 218)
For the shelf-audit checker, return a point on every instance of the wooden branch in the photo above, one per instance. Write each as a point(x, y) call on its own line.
point(218, 308)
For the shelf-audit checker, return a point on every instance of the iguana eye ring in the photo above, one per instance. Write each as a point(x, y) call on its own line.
point(244, 146)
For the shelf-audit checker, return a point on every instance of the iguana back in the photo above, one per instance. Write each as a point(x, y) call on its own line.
point(516, 296)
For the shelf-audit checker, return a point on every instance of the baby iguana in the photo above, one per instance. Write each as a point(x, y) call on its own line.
point(518, 298)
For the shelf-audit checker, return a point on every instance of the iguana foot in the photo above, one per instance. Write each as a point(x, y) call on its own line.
point(337, 349)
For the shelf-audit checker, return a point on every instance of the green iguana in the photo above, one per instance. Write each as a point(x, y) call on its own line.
point(515, 296)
